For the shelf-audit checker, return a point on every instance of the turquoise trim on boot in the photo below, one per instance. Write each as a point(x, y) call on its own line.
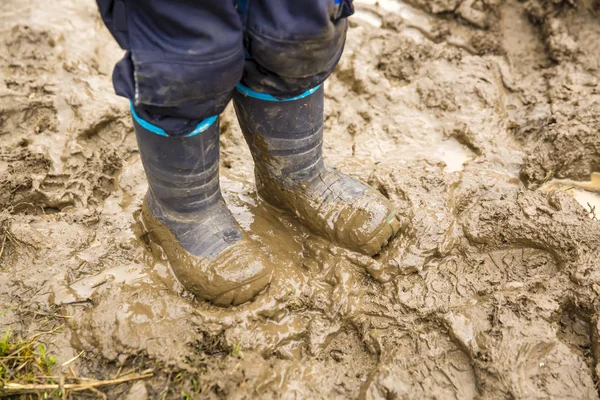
point(246, 91)
point(201, 127)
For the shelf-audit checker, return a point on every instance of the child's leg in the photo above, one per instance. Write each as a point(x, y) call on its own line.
point(183, 61)
point(292, 47)
point(183, 58)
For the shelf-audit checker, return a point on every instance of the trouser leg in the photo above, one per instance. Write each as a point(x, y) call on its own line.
point(183, 58)
point(292, 46)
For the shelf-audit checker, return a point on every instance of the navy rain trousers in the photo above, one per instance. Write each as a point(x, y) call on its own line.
point(185, 57)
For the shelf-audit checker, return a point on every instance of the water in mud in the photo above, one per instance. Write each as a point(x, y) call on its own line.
point(587, 193)
point(479, 120)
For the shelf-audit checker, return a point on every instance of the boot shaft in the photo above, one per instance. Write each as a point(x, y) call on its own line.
point(285, 136)
point(183, 171)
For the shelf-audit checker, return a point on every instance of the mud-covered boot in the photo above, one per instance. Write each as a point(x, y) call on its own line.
point(184, 212)
point(285, 139)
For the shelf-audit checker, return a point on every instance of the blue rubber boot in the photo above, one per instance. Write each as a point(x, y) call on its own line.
point(286, 139)
point(184, 212)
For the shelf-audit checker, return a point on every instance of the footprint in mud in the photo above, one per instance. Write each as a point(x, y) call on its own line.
point(576, 330)
point(47, 113)
point(506, 216)
point(517, 355)
point(48, 175)
point(454, 281)
point(421, 360)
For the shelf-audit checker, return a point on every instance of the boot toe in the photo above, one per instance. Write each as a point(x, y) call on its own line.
point(242, 294)
point(236, 275)
point(373, 223)
point(381, 237)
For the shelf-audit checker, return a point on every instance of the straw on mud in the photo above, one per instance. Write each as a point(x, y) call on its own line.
point(71, 360)
point(15, 388)
point(3, 243)
point(12, 240)
point(23, 370)
point(51, 331)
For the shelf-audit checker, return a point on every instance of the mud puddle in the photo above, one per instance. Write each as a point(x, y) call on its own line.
point(479, 120)
point(400, 8)
point(587, 193)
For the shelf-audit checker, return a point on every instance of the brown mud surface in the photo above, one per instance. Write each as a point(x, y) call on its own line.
point(479, 119)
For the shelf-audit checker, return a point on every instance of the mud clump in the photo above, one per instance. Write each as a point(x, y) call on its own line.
point(456, 111)
point(562, 142)
point(565, 144)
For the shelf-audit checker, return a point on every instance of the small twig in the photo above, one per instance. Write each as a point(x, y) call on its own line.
point(592, 212)
point(51, 315)
point(32, 338)
point(75, 387)
point(165, 391)
point(71, 360)
point(62, 388)
point(13, 241)
point(3, 243)
point(99, 393)
point(118, 373)
point(129, 372)
point(102, 282)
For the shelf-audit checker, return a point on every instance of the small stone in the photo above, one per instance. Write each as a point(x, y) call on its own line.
point(137, 392)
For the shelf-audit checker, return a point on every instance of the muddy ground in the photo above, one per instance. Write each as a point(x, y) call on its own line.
point(480, 119)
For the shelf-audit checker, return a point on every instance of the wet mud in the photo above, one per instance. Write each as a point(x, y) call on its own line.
point(479, 120)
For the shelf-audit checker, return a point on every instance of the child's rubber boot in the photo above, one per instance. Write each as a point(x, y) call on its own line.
point(285, 138)
point(185, 213)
